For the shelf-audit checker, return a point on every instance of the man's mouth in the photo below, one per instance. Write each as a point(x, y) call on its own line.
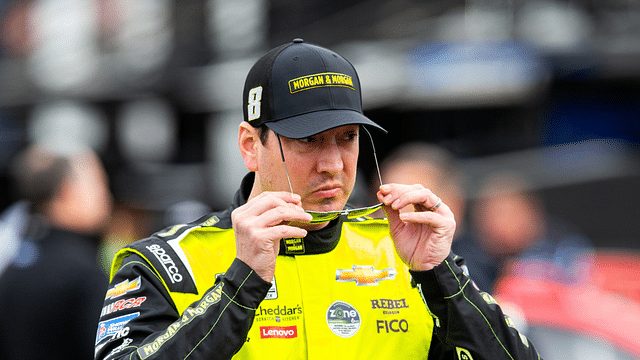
point(327, 192)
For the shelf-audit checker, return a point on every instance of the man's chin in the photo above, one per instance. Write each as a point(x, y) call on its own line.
point(325, 206)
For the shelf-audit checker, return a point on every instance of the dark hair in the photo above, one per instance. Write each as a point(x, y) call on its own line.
point(37, 174)
point(263, 132)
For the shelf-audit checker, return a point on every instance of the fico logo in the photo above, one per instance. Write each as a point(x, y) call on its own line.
point(281, 332)
point(393, 325)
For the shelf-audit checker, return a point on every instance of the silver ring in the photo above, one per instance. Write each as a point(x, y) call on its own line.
point(434, 207)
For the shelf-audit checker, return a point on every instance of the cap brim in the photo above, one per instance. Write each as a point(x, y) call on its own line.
point(302, 126)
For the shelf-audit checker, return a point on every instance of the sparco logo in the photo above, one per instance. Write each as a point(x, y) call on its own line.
point(167, 262)
point(282, 332)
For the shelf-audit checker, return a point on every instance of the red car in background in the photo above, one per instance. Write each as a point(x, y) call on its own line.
point(598, 318)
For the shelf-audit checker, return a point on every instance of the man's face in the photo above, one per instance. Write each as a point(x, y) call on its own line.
point(322, 168)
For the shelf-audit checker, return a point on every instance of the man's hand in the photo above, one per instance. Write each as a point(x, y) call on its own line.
point(261, 223)
point(422, 237)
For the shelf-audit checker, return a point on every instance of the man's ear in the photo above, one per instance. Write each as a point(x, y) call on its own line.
point(248, 141)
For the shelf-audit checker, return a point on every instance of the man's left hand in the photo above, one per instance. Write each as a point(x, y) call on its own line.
point(422, 237)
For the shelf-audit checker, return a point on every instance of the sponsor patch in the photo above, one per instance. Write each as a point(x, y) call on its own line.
point(123, 287)
point(278, 314)
point(364, 275)
point(320, 80)
point(294, 246)
point(167, 262)
point(279, 310)
point(343, 319)
point(126, 342)
point(279, 332)
point(122, 304)
point(210, 221)
point(394, 325)
point(389, 304)
point(273, 290)
point(111, 327)
point(172, 231)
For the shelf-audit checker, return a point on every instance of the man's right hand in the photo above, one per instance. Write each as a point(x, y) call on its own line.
point(261, 223)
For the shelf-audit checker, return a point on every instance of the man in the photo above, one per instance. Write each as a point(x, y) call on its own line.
point(283, 272)
point(515, 235)
point(51, 293)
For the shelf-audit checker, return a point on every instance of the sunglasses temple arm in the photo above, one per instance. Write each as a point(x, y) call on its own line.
point(375, 156)
point(285, 164)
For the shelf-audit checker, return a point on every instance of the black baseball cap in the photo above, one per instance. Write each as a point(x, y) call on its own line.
point(300, 89)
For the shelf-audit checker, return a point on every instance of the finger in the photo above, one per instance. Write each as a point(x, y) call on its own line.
point(278, 197)
point(422, 201)
point(270, 236)
point(391, 214)
point(283, 213)
point(269, 200)
point(390, 192)
point(387, 195)
point(399, 196)
point(286, 231)
point(424, 217)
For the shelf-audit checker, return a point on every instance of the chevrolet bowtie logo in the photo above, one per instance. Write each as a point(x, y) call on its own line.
point(123, 288)
point(364, 275)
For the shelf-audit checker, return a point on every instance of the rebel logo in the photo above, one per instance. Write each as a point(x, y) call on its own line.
point(280, 332)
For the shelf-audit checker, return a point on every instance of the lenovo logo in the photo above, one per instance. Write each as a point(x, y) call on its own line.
point(282, 332)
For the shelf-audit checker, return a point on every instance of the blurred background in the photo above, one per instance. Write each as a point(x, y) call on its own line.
point(548, 89)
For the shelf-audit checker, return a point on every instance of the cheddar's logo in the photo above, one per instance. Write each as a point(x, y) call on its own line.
point(320, 80)
point(364, 275)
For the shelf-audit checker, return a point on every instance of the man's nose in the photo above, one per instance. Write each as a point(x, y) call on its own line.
point(330, 159)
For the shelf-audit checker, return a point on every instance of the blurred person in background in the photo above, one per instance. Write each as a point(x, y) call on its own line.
point(52, 292)
point(513, 234)
point(432, 166)
point(289, 270)
point(12, 225)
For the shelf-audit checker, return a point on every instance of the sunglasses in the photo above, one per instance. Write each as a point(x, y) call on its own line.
point(319, 217)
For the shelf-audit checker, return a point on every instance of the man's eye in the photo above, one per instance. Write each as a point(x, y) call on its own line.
point(350, 136)
point(309, 139)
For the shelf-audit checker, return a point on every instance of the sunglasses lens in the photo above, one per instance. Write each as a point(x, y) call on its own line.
point(356, 213)
point(321, 217)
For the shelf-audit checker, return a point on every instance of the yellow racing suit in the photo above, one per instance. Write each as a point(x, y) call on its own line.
point(340, 293)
